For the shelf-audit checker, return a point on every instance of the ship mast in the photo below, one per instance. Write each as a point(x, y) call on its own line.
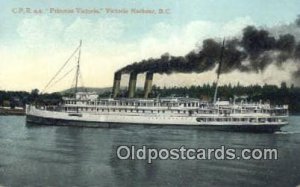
point(219, 72)
point(77, 70)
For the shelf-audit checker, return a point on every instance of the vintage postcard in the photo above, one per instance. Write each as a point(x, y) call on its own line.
point(150, 93)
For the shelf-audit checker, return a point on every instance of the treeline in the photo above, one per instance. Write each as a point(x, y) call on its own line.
point(14, 99)
point(274, 94)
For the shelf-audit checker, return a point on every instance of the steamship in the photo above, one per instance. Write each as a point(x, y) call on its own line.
point(86, 109)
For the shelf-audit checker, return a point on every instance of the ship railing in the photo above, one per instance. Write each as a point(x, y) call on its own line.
point(47, 108)
point(254, 120)
point(280, 107)
point(132, 107)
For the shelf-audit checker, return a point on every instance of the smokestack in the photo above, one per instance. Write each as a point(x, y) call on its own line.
point(117, 82)
point(148, 84)
point(132, 84)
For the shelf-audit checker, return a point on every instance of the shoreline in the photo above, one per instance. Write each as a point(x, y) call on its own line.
point(12, 112)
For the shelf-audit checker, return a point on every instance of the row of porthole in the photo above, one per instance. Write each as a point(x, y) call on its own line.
point(235, 119)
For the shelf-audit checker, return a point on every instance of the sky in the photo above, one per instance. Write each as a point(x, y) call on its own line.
point(33, 46)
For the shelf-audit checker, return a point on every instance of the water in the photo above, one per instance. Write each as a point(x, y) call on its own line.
point(65, 156)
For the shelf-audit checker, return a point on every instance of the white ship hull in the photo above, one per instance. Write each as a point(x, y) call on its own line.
point(44, 117)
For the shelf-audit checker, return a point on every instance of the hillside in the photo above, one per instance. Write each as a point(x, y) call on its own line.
point(88, 89)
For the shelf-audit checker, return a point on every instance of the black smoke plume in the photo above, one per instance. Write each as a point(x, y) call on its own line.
point(253, 52)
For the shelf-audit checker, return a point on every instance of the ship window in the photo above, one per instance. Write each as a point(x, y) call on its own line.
point(143, 111)
point(262, 120)
point(113, 110)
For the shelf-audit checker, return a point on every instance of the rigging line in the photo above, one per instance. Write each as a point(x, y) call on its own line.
point(78, 66)
point(81, 79)
point(73, 84)
point(82, 82)
point(62, 77)
point(221, 58)
point(60, 69)
point(219, 71)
